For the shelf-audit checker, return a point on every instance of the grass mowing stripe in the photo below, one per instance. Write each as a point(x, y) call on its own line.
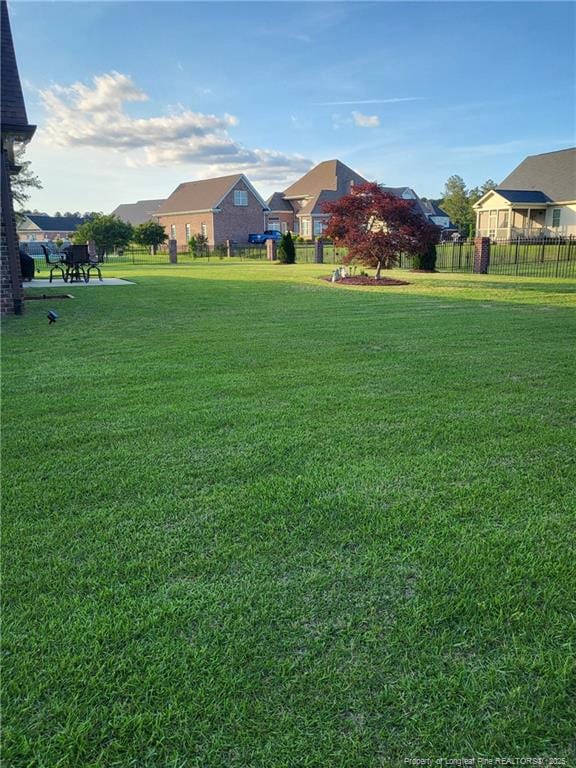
point(254, 519)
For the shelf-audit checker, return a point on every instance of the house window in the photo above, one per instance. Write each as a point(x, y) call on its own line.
point(203, 230)
point(187, 232)
point(240, 197)
point(173, 231)
point(318, 227)
point(305, 228)
point(556, 217)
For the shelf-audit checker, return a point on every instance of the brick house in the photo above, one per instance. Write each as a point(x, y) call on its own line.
point(14, 127)
point(225, 208)
point(299, 208)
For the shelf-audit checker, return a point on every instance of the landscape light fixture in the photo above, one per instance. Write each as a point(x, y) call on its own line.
point(52, 317)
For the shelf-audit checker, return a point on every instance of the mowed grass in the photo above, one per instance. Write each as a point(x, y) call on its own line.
point(254, 519)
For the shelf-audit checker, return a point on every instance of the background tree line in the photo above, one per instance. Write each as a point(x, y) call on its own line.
point(458, 200)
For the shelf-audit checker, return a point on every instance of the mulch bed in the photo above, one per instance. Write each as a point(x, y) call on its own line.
point(382, 283)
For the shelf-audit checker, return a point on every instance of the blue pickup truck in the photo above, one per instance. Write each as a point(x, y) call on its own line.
point(268, 234)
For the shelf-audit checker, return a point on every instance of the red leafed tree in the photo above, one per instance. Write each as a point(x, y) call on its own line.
point(376, 227)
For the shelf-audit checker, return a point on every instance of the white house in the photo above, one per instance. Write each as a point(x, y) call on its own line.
point(538, 199)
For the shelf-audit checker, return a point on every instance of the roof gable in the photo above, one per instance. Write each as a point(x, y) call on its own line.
point(511, 196)
point(204, 195)
point(330, 175)
point(553, 173)
point(276, 202)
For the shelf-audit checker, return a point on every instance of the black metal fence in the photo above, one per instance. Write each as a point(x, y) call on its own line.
point(455, 257)
point(305, 254)
point(548, 257)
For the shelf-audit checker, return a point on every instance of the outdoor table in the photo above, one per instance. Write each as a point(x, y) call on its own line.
point(75, 259)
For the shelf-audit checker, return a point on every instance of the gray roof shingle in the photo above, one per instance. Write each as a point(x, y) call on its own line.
point(276, 202)
point(432, 209)
point(56, 223)
point(12, 107)
point(138, 213)
point(553, 173)
point(523, 195)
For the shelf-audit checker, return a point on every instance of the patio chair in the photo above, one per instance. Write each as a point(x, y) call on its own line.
point(55, 261)
point(93, 260)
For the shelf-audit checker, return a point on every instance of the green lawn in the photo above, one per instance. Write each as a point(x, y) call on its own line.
point(256, 520)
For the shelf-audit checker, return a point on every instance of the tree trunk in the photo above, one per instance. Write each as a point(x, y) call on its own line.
point(378, 270)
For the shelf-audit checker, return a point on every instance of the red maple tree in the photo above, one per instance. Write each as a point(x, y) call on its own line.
point(376, 227)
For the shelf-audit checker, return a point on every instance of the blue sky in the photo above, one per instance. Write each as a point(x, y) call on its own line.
point(134, 98)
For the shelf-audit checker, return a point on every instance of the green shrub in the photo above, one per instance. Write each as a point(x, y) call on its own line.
point(426, 260)
point(286, 250)
point(198, 245)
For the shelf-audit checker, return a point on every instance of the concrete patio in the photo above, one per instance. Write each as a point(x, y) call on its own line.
point(59, 283)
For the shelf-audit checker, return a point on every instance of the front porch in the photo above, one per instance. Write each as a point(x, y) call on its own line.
point(513, 222)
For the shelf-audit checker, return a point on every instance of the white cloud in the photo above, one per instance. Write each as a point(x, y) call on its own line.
point(366, 121)
point(94, 116)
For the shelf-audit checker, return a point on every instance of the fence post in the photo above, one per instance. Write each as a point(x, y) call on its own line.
point(319, 251)
point(229, 249)
point(481, 255)
point(173, 251)
point(271, 250)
